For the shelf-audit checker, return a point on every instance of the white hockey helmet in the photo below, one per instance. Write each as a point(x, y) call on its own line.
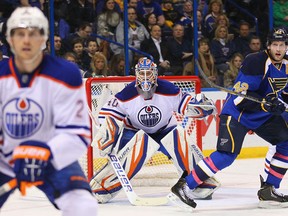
point(27, 17)
point(146, 74)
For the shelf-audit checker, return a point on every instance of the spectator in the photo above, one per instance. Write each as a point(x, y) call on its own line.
point(206, 61)
point(108, 20)
point(83, 59)
point(61, 15)
point(99, 66)
point(223, 21)
point(232, 72)
point(242, 41)
point(187, 19)
point(136, 34)
point(101, 5)
point(171, 15)
point(145, 7)
point(254, 44)
point(117, 65)
point(70, 56)
point(84, 32)
point(188, 26)
point(180, 50)
point(222, 49)
point(149, 21)
point(80, 11)
point(158, 48)
point(132, 3)
point(59, 51)
point(214, 10)
point(92, 47)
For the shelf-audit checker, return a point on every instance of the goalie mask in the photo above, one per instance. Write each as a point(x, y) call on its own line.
point(146, 77)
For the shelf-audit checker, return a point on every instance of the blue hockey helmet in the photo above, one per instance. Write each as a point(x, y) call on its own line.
point(146, 74)
point(277, 34)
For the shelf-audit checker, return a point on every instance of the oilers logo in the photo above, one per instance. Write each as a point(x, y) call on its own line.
point(22, 117)
point(149, 116)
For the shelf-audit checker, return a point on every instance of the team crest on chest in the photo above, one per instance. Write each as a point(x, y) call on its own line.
point(149, 116)
point(22, 117)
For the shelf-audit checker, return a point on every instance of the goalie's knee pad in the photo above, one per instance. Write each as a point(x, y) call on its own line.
point(105, 184)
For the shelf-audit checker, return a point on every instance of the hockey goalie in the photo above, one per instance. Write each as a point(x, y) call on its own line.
point(140, 118)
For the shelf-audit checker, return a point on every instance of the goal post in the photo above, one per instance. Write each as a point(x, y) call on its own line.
point(100, 89)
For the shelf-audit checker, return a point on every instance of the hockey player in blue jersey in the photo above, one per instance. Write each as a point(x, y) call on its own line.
point(141, 117)
point(264, 76)
point(44, 127)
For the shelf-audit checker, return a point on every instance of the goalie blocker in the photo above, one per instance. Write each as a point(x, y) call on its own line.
point(133, 154)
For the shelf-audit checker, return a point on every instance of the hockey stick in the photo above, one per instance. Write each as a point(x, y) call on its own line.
point(212, 84)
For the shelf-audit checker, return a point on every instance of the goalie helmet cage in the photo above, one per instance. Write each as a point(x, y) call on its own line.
point(98, 91)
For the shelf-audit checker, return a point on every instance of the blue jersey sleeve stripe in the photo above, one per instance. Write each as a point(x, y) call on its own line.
point(112, 111)
point(72, 127)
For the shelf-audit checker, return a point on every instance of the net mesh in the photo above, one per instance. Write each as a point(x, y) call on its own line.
point(99, 90)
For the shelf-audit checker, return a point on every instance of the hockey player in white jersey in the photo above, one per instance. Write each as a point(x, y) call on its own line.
point(44, 124)
point(147, 106)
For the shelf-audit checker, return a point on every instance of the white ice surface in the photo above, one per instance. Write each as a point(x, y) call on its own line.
point(236, 197)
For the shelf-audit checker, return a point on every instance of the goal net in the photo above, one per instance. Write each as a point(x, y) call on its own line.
point(159, 170)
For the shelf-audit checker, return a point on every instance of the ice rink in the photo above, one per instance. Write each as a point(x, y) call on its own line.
point(237, 196)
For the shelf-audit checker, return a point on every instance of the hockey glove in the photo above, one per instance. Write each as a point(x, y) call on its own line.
point(107, 135)
point(273, 105)
point(30, 161)
point(200, 109)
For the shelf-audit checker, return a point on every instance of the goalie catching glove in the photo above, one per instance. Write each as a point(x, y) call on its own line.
point(200, 109)
point(30, 162)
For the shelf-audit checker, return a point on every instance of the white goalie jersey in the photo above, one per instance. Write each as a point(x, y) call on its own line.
point(150, 115)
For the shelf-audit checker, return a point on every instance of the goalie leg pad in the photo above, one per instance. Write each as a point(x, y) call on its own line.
point(132, 156)
point(186, 155)
point(107, 135)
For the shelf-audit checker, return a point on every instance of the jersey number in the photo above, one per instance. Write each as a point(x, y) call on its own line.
point(240, 87)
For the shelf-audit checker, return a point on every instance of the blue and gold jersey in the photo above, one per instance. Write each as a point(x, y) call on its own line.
point(258, 77)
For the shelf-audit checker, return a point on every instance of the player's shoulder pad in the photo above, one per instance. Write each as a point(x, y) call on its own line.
point(4, 67)
point(128, 92)
point(167, 88)
point(61, 70)
point(254, 63)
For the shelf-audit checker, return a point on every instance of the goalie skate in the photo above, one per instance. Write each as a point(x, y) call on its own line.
point(270, 198)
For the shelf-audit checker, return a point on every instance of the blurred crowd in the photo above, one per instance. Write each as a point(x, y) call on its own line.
point(160, 28)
